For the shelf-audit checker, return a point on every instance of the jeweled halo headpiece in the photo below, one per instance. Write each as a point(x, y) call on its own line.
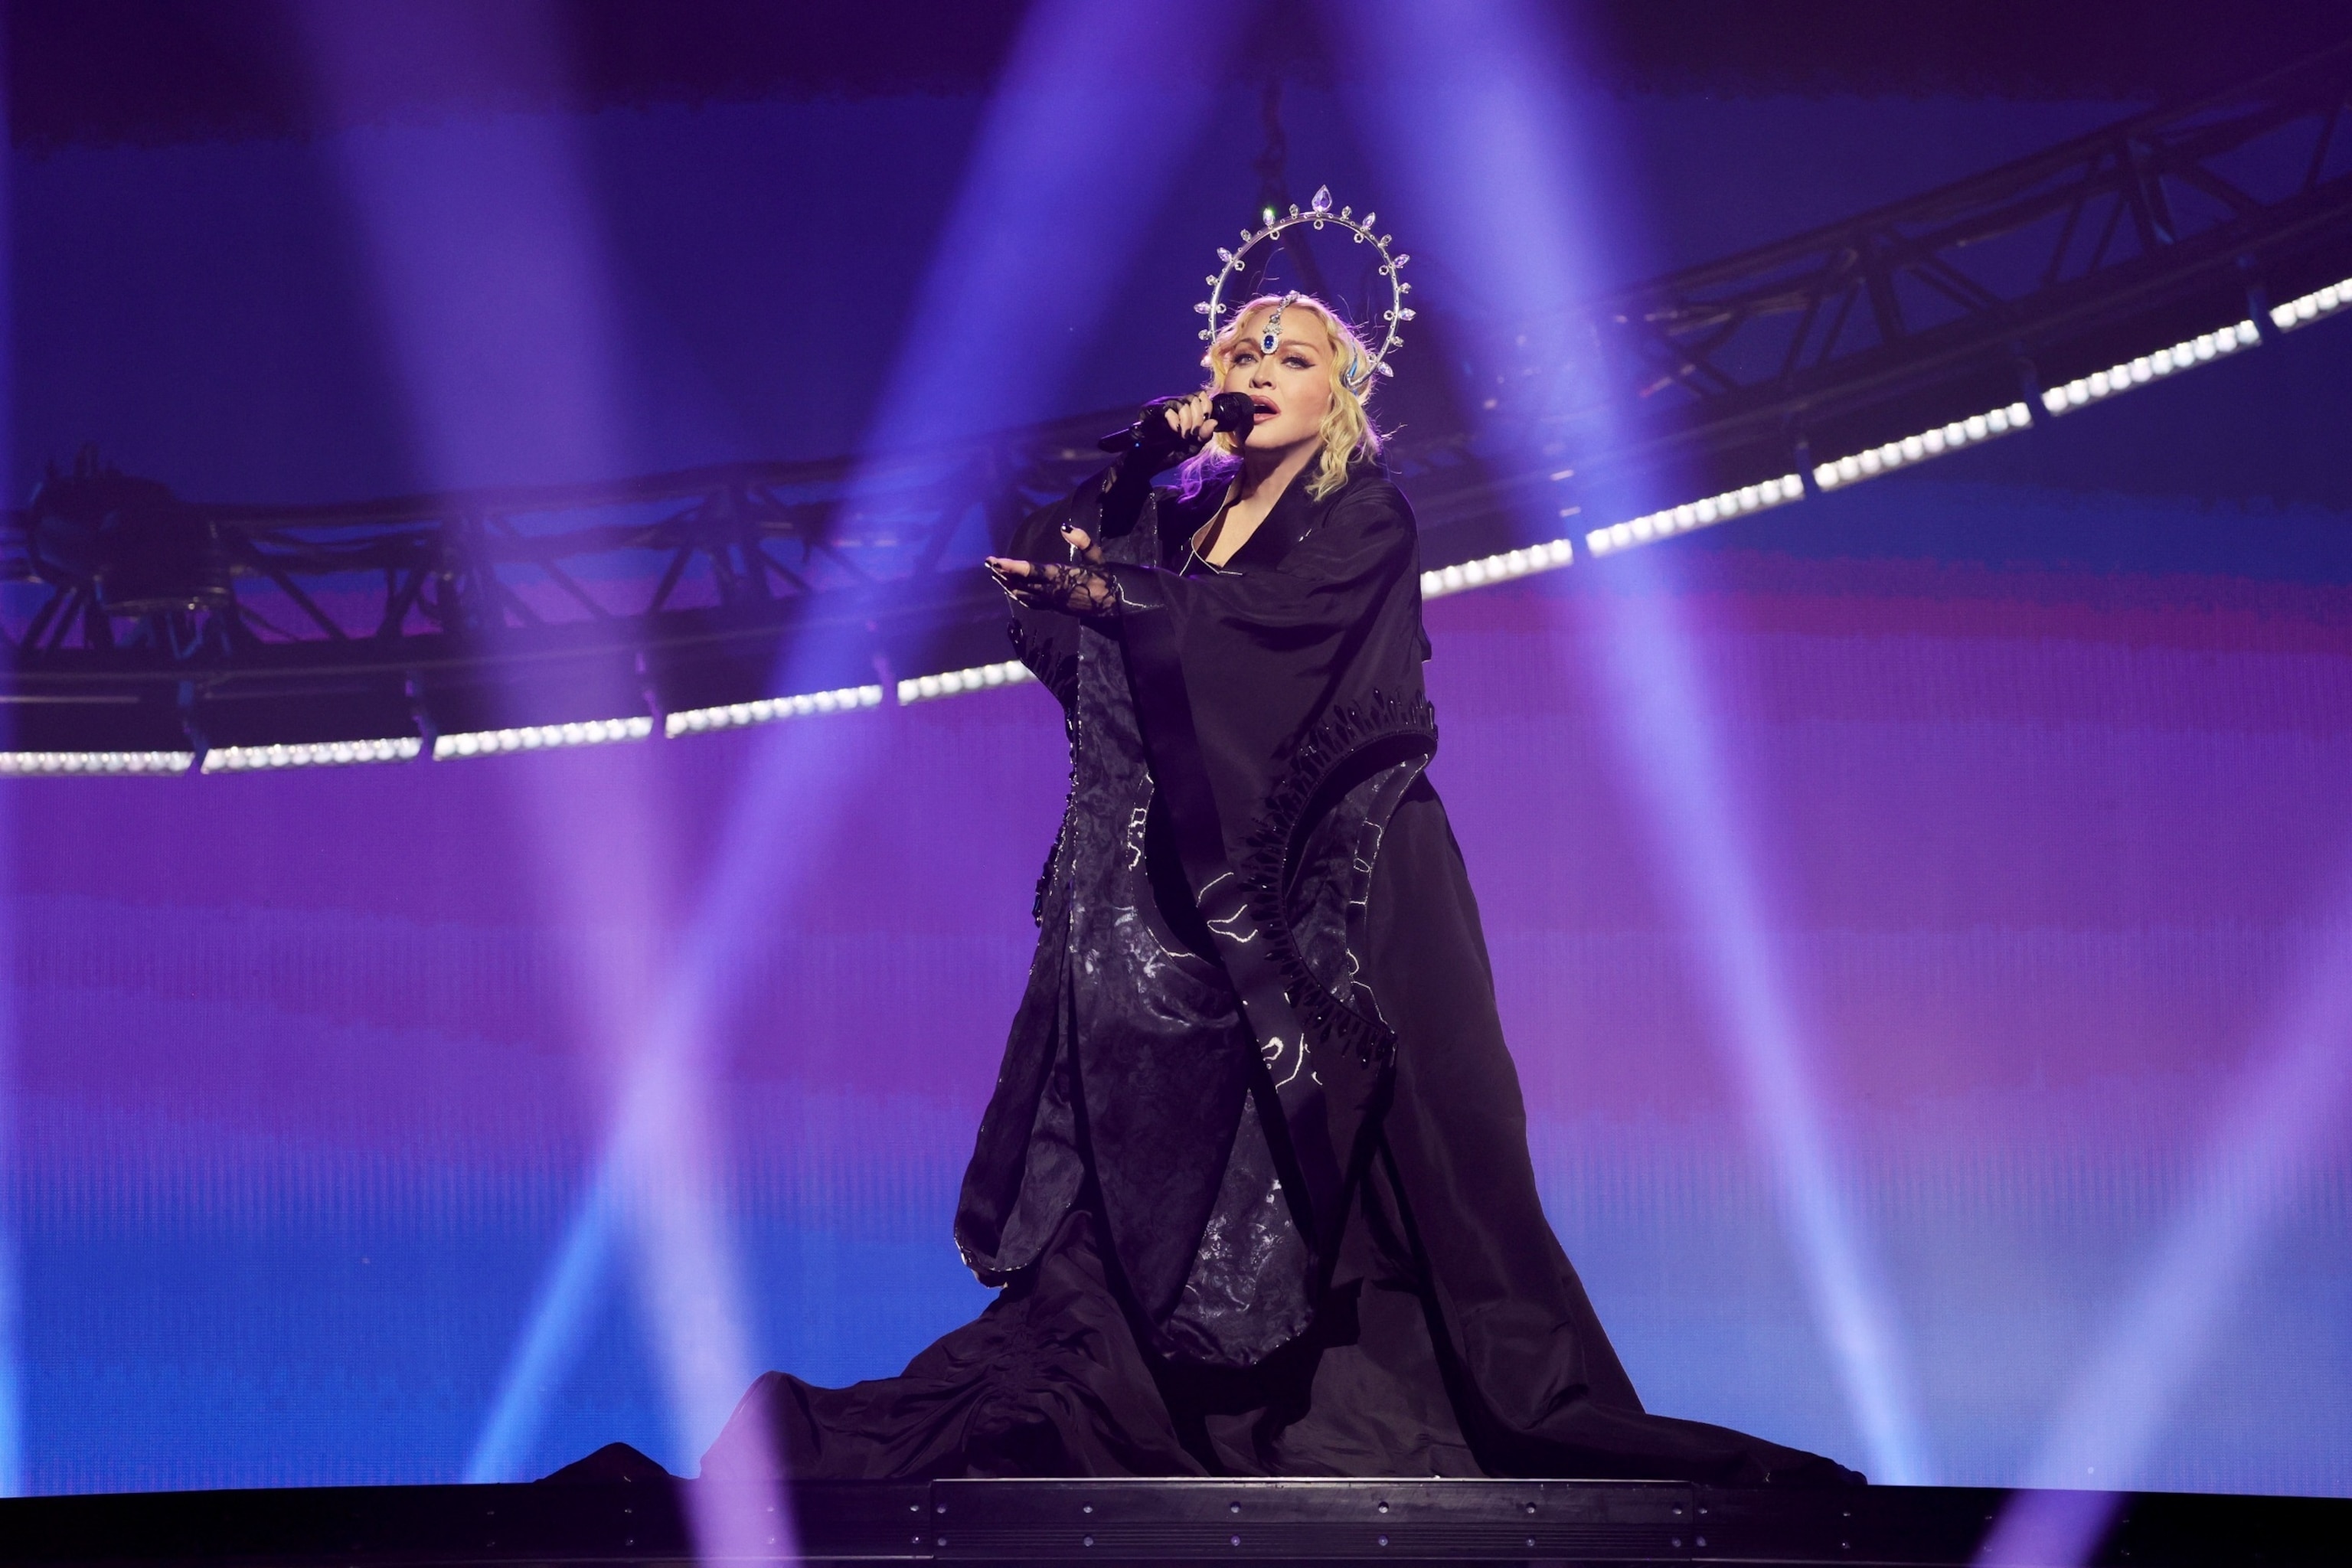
point(1318, 213)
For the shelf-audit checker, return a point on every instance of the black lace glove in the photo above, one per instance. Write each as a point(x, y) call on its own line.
point(1079, 588)
point(1047, 586)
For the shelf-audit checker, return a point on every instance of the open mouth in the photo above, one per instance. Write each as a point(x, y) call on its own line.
point(1265, 409)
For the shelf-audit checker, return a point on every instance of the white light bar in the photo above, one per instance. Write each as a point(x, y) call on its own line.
point(2201, 348)
point(1671, 521)
point(1497, 568)
point(1894, 455)
point(2311, 306)
point(324, 753)
point(541, 737)
point(924, 688)
point(734, 715)
point(33, 764)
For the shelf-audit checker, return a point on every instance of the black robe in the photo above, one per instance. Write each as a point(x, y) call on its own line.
point(1255, 1178)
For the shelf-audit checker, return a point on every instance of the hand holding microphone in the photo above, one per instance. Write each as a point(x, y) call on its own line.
point(1173, 426)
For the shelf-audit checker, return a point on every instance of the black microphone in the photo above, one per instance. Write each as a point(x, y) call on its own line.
point(1229, 411)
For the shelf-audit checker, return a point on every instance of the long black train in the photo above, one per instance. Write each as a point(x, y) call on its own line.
point(1129, 1522)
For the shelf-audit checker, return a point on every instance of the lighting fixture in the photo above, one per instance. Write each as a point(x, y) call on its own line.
point(320, 753)
point(923, 687)
point(1444, 580)
point(540, 737)
point(2200, 350)
point(2311, 306)
point(1894, 455)
point(734, 715)
point(1670, 520)
point(31, 764)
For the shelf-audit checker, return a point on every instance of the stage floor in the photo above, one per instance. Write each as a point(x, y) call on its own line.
point(616, 1522)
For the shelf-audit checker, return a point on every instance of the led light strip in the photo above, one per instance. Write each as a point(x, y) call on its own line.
point(1894, 455)
point(28, 764)
point(924, 688)
point(1500, 568)
point(1670, 520)
point(734, 715)
point(324, 753)
point(2202, 349)
point(540, 738)
point(2310, 307)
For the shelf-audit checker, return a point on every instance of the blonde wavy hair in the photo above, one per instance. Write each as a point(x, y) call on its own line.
point(1347, 431)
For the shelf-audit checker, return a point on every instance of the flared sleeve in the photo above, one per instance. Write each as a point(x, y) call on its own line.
point(1045, 640)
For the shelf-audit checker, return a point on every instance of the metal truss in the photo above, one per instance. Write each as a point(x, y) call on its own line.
point(160, 633)
point(214, 626)
point(152, 633)
point(2173, 224)
point(485, 562)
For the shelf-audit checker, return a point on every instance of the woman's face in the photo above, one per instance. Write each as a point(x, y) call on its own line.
point(1291, 387)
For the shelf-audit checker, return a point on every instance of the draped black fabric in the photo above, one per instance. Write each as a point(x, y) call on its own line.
point(1254, 1179)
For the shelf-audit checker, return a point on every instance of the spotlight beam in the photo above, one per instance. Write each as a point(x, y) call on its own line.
point(492, 269)
point(13, 1456)
point(558, 1326)
point(2261, 1149)
point(1669, 738)
point(1069, 130)
point(1482, 133)
point(12, 1388)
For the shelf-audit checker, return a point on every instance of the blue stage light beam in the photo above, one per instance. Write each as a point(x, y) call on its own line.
point(1098, 107)
point(13, 1453)
point(12, 1382)
point(794, 789)
point(13, 1456)
point(12, 1385)
point(1512, 194)
point(1095, 109)
point(502, 318)
point(559, 1319)
point(2256, 1160)
point(1658, 699)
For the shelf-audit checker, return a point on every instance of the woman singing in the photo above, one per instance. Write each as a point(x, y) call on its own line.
point(1254, 1179)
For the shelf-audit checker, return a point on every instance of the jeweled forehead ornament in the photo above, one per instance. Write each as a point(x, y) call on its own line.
point(1360, 232)
point(1272, 333)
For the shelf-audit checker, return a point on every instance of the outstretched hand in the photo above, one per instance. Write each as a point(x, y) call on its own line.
point(1078, 588)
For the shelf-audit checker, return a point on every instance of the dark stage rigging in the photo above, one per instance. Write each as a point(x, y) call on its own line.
point(151, 634)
